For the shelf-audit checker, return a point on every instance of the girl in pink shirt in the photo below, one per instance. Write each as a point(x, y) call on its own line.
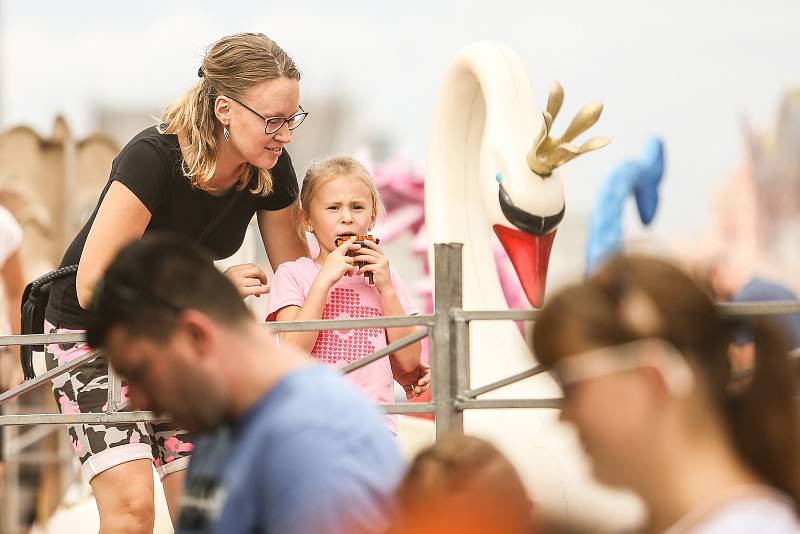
point(338, 197)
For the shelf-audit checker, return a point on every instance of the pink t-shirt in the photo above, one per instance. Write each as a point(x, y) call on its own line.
point(350, 298)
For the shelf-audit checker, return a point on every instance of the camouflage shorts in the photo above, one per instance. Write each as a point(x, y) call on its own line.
point(101, 447)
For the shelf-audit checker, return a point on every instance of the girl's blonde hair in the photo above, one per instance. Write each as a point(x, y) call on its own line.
point(322, 170)
point(231, 67)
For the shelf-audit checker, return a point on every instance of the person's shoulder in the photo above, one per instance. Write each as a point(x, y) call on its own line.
point(302, 261)
point(301, 264)
point(319, 397)
point(316, 380)
point(149, 146)
point(320, 407)
point(760, 514)
point(331, 443)
point(152, 137)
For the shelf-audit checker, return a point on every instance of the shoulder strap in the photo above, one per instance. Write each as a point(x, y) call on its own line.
point(226, 208)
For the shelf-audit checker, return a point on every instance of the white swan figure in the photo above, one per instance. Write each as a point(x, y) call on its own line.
point(484, 123)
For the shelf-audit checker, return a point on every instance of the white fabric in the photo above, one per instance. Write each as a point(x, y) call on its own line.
point(768, 514)
point(173, 467)
point(105, 460)
point(10, 235)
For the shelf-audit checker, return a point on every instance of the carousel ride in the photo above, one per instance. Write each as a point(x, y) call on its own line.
point(491, 164)
point(492, 175)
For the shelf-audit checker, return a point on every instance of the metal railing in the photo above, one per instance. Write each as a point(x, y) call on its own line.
point(448, 328)
point(449, 351)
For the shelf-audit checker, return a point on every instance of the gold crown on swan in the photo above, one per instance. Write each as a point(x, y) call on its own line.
point(547, 152)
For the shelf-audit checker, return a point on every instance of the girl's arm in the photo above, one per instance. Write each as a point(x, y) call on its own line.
point(122, 218)
point(336, 265)
point(408, 358)
point(281, 235)
point(309, 311)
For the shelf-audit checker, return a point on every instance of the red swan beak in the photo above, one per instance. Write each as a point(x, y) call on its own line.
point(530, 256)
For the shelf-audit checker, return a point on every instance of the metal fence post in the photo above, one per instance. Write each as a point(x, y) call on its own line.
point(447, 295)
point(461, 366)
point(114, 390)
point(9, 519)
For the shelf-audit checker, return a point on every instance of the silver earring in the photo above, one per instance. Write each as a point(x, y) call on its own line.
point(226, 133)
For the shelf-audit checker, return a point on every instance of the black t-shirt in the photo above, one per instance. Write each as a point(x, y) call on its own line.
point(150, 166)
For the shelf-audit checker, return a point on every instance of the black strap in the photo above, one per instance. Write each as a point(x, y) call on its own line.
point(34, 304)
point(233, 196)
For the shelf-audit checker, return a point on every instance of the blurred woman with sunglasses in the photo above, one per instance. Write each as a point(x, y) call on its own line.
point(216, 158)
point(641, 353)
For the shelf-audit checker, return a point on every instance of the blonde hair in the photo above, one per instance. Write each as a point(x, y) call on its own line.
point(231, 67)
point(322, 170)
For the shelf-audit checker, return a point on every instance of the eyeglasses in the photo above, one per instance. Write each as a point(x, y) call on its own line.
point(655, 353)
point(273, 124)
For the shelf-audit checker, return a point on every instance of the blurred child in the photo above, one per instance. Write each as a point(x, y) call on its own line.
point(339, 198)
point(462, 485)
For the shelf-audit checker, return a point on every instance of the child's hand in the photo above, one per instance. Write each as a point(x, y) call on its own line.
point(337, 264)
point(416, 382)
point(249, 279)
point(377, 263)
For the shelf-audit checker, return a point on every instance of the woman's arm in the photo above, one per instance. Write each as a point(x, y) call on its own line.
point(280, 232)
point(122, 218)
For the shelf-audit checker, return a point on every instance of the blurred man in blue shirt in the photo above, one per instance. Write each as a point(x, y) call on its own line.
point(289, 447)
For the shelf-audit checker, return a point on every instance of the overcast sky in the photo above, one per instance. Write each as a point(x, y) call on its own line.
point(686, 70)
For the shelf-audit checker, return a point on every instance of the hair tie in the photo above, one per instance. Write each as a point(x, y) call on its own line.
point(200, 72)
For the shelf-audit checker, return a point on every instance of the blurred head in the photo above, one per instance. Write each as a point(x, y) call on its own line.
point(641, 351)
point(463, 484)
point(338, 197)
point(241, 71)
point(161, 313)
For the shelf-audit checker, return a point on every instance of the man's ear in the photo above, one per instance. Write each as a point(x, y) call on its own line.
point(222, 109)
point(198, 330)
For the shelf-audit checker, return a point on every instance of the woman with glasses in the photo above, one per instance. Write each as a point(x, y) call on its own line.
point(216, 158)
point(641, 352)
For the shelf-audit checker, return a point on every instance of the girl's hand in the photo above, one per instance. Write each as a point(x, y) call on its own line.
point(377, 263)
point(338, 263)
point(249, 279)
point(416, 382)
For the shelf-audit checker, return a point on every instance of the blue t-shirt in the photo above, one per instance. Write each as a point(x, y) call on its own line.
point(759, 289)
point(312, 456)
